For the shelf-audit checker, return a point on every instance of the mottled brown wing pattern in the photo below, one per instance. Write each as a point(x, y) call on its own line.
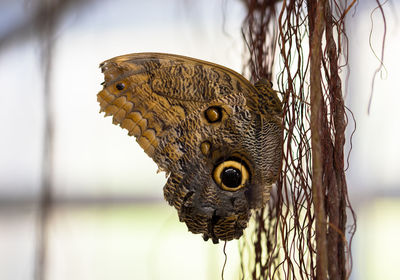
point(214, 133)
point(157, 92)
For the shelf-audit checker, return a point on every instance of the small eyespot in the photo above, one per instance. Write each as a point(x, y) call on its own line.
point(213, 114)
point(231, 175)
point(205, 148)
point(120, 86)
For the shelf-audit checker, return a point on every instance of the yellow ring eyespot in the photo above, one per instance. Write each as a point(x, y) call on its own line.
point(231, 175)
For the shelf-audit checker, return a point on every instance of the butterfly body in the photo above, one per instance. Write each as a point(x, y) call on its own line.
point(215, 134)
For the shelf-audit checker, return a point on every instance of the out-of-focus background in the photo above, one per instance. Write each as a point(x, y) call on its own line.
point(108, 219)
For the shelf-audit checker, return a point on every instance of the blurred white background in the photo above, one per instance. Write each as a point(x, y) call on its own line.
point(109, 219)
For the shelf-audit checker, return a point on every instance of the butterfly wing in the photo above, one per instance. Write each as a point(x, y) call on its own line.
point(150, 94)
point(188, 115)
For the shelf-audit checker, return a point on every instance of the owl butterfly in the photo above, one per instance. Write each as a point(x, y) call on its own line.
point(216, 135)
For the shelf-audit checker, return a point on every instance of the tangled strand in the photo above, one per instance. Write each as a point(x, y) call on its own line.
point(306, 216)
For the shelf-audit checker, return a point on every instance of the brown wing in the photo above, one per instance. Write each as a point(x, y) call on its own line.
point(191, 116)
point(151, 94)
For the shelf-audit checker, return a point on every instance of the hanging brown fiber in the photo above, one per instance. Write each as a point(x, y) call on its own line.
point(301, 234)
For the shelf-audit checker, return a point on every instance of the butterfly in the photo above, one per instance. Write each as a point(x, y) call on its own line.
point(216, 135)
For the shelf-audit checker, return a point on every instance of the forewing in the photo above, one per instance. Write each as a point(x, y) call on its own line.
point(151, 94)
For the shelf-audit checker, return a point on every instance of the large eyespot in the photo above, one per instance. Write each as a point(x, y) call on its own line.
point(231, 175)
